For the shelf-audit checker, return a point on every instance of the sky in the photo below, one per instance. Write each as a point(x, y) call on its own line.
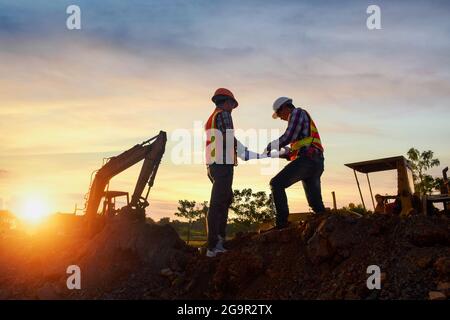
point(69, 98)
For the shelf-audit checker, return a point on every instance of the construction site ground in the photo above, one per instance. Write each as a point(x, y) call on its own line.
point(325, 257)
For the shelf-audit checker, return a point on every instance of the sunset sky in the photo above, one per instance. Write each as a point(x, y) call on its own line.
point(69, 98)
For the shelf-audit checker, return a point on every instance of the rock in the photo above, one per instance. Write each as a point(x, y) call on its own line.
point(334, 235)
point(339, 233)
point(307, 233)
point(442, 266)
point(177, 282)
point(285, 237)
point(436, 295)
point(342, 238)
point(345, 253)
point(444, 287)
point(375, 229)
point(318, 249)
point(426, 233)
point(423, 262)
point(271, 236)
point(271, 273)
point(234, 272)
point(190, 285)
point(166, 272)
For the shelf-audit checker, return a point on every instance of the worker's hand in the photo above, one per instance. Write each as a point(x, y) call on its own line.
point(268, 149)
point(285, 153)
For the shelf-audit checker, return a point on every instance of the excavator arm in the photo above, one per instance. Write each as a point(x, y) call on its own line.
point(151, 151)
point(148, 171)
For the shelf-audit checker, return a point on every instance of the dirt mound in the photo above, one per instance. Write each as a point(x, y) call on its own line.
point(324, 258)
point(33, 268)
point(125, 249)
point(155, 246)
point(327, 258)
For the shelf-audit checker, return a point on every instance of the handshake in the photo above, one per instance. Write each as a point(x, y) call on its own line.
point(283, 153)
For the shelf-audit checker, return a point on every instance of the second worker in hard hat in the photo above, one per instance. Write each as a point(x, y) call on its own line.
point(222, 150)
point(305, 155)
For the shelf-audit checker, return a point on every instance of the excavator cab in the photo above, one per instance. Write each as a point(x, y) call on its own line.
point(109, 203)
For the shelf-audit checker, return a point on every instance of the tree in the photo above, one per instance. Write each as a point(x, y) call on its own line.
point(191, 211)
point(439, 184)
point(252, 208)
point(164, 221)
point(356, 208)
point(203, 214)
point(420, 163)
point(186, 209)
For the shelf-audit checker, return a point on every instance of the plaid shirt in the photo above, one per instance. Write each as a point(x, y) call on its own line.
point(224, 122)
point(298, 128)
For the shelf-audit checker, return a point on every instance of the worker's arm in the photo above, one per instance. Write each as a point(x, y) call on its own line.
point(292, 131)
point(243, 152)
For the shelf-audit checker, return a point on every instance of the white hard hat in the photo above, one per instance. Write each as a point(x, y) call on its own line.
point(278, 103)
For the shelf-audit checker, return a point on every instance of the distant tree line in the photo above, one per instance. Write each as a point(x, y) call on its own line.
point(248, 210)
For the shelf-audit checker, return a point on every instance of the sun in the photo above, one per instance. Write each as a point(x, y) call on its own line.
point(34, 209)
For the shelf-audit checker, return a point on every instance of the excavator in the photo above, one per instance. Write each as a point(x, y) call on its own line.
point(93, 220)
point(151, 151)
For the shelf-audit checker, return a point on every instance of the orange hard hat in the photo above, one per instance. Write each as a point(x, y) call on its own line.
point(222, 92)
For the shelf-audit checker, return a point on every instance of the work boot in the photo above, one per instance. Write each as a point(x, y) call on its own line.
point(211, 253)
point(219, 245)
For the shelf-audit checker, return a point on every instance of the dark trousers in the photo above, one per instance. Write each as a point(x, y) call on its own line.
point(221, 176)
point(307, 169)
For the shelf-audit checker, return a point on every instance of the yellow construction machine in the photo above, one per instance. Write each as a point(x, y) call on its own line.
point(151, 152)
point(405, 202)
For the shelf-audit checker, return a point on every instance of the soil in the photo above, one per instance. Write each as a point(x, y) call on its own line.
point(326, 257)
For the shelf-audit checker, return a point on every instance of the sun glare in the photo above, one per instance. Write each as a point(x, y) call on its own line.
point(34, 209)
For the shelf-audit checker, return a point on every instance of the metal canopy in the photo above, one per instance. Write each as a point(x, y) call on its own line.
point(377, 165)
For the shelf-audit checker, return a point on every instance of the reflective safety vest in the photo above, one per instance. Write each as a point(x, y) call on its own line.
point(313, 140)
point(218, 152)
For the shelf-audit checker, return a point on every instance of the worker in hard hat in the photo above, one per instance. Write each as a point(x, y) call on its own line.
point(305, 153)
point(222, 150)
